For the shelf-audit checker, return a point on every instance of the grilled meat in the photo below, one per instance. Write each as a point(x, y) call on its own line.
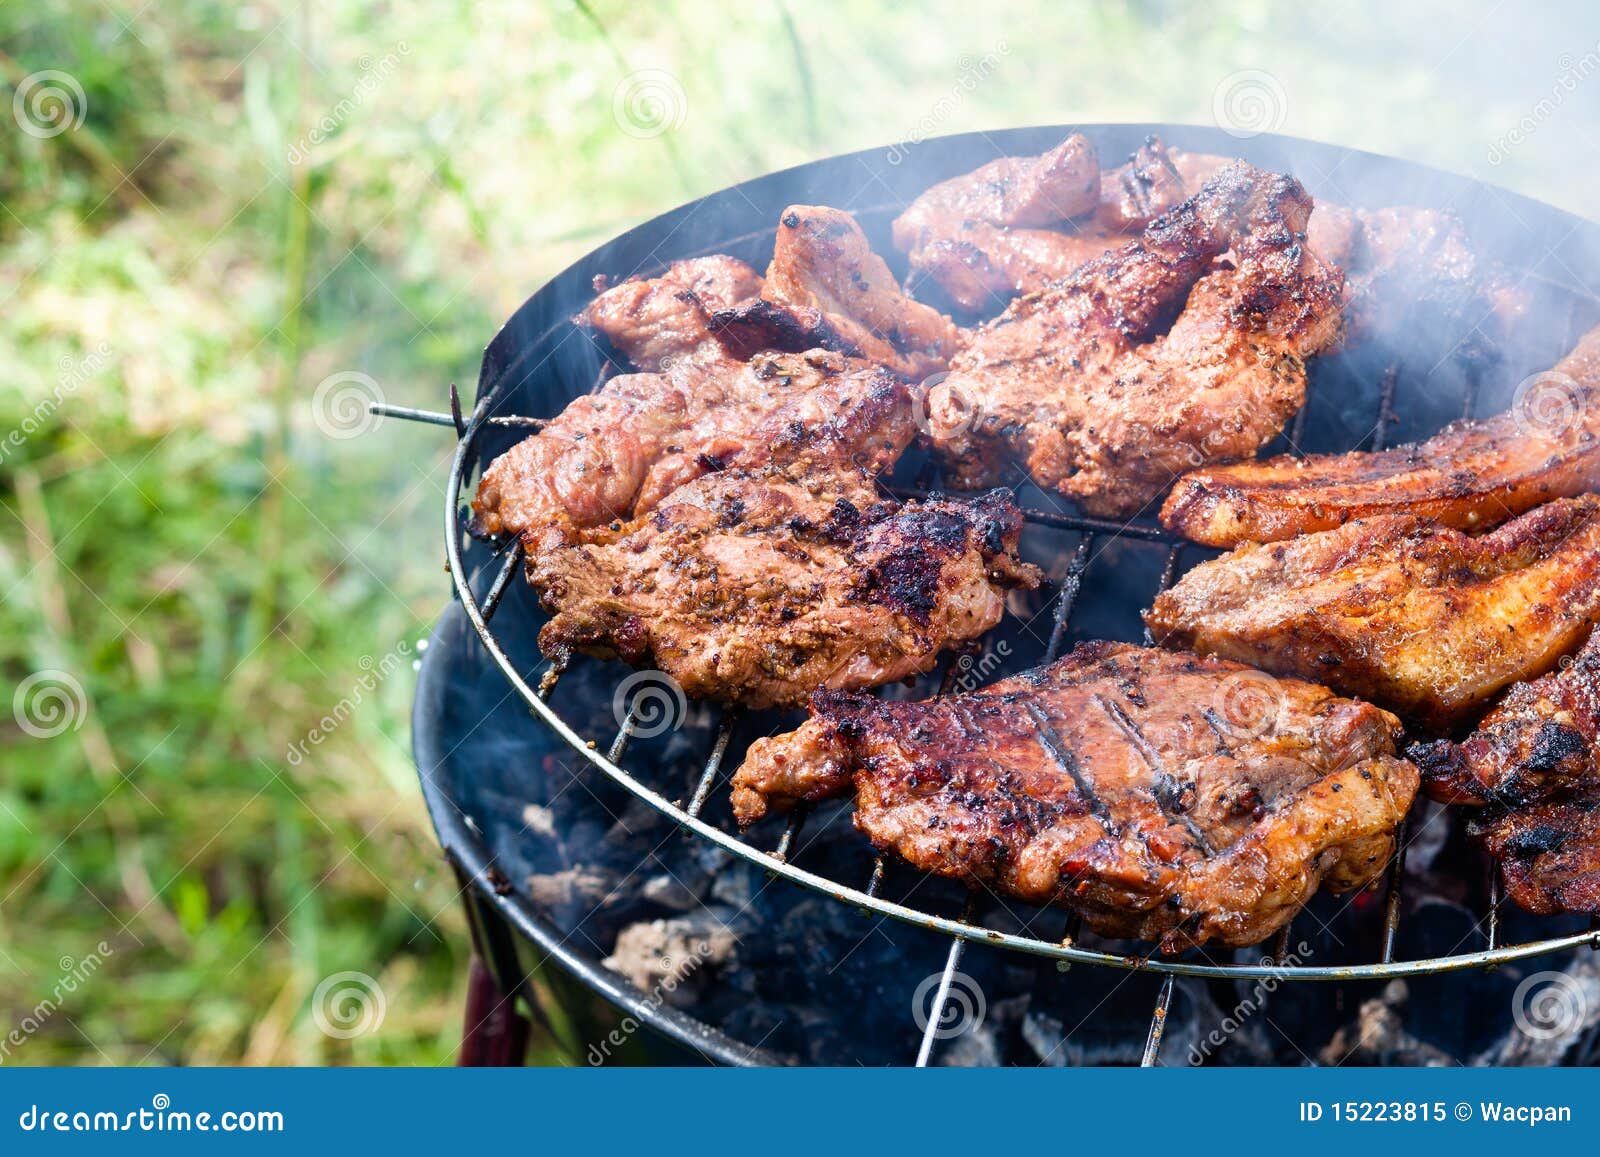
point(826, 287)
point(617, 452)
point(1404, 267)
point(1027, 191)
point(1163, 796)
point(759, 586)
point(1413, 616)
point(983, 266)
point(1548, 853)
point(1410, 270)
point(1540, 742)
point(1531, 765)
point(1080, 387)
point(657, 320)
point(1472, 474)
point(981, 246)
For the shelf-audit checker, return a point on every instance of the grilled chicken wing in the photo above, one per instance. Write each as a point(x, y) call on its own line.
point(1413, 616)
point(1472, 474)
point(657, 320)
point(1163, 796)
point(1533, 765)
point(826, 287)
point(617, 452)
point(758, 587)
point(1079, 386)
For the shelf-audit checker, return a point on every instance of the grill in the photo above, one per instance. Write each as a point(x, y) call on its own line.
point(1102, 573)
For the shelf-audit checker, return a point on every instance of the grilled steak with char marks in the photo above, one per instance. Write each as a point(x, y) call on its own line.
point(1164, 796)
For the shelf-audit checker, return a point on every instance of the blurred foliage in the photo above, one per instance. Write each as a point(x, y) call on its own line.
point(260, 196)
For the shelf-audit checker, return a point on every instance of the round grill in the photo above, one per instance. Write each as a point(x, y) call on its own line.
point(1102, 573)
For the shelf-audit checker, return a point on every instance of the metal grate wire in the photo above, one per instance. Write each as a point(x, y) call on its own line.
point(961, 929)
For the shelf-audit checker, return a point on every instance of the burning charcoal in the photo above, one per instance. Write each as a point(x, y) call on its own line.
point(586, 887)
point(1379, 1036)
point(666, 955)
point(1553, 1016)
point(670, 892)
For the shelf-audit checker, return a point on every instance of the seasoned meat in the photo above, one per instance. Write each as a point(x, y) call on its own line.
point(1540, 742)
point(656, 320)
point(617, 452)
point(1532, 767)
point(759, 586)
point(980, 266)
point(1411, 271)
point(1549, 853)
point(1472, 474)
point(1416, 617)
point(981, 247)
point(1404, 267)
point(827, 287)
point(1163, 796)
point(1027, 191)
point(1080, 386)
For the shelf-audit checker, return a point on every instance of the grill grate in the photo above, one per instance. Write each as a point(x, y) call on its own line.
point(961, 928)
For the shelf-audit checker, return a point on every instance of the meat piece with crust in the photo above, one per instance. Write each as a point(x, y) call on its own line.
point(654, 321)
point(1472, 474)
point(1533, 767)
point(758, 587)
point(1540, 741)
point(1081, 388)
point(826, 287)
point(1163, 796)
point(1418, 618)
point(616, 453)
point(1028, 191)
point(981, 251)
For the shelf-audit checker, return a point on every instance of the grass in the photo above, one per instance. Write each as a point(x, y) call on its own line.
point(261, 197)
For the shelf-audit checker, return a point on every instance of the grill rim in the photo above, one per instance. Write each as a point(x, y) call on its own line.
point(472, 856)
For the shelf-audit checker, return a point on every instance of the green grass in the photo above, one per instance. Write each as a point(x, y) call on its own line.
point(181, 536)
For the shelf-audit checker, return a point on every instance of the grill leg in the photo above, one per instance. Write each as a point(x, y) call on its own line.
point(496, 1034)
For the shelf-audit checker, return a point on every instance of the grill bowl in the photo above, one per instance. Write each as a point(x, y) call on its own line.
point(539, 361)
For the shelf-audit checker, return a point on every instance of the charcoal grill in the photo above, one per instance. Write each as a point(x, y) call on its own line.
point(1361, 398)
